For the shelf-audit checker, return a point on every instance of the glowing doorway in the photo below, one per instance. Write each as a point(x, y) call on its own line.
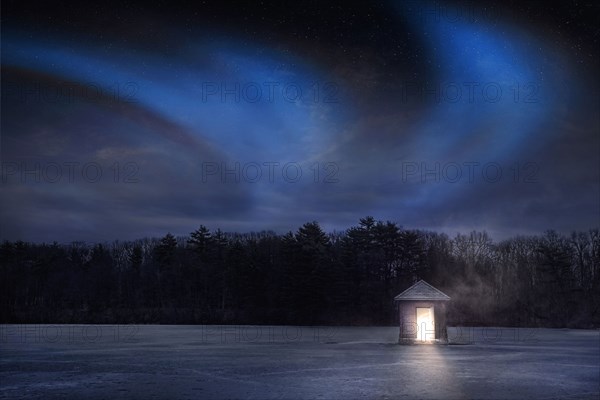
point(425, 324)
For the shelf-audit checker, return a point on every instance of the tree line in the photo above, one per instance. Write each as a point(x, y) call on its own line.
point(304, 277)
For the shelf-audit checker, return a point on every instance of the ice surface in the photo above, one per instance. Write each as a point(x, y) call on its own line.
point(267, 362)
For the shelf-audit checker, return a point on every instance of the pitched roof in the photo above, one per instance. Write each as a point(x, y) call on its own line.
point(422, 291)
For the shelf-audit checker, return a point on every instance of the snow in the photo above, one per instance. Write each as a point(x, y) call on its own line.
point(274, 362)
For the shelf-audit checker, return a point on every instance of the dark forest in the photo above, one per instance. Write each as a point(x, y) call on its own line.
point(308, 277)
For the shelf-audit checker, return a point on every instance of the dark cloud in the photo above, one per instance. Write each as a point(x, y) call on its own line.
point(119, 87)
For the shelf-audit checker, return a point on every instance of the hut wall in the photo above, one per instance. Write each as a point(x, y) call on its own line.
point(408, 318)
point(441, 332)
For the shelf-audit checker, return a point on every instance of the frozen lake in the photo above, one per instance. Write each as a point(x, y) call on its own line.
point(274, 362)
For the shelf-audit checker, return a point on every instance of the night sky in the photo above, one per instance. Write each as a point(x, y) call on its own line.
point(124, 120)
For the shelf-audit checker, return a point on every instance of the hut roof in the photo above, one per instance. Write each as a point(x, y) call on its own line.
point(421, 291)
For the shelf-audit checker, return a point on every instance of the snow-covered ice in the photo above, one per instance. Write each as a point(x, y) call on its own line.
point(274, 362)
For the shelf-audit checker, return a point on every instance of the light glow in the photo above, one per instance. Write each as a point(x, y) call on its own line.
point(425, 324)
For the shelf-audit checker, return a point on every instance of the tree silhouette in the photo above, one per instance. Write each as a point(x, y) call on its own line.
point(306, 277)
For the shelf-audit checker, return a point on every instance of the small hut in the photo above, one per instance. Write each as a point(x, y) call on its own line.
point(422, 310)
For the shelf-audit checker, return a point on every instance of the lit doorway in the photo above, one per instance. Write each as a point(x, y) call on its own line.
point(425, 324)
